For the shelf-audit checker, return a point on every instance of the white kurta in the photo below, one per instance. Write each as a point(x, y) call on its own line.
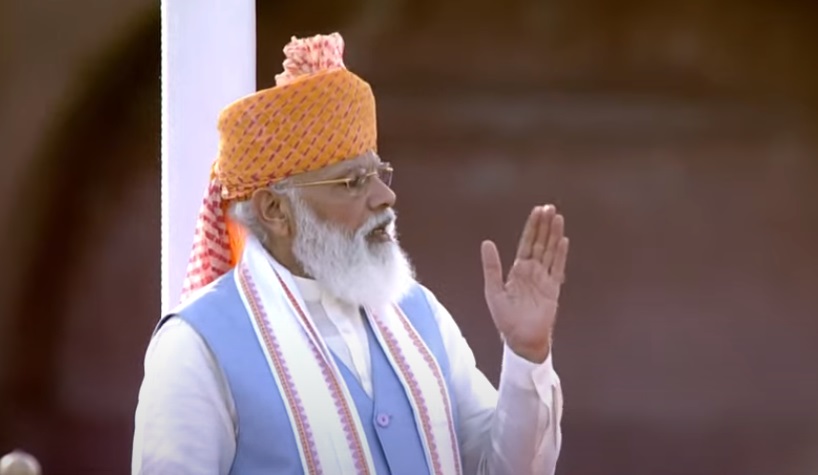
point(513, 431)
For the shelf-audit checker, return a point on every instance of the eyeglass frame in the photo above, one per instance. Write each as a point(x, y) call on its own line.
point(380, 168)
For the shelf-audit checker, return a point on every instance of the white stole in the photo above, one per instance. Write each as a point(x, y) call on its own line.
point(322, 413)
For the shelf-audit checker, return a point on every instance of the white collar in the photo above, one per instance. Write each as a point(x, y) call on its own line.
point(310, 290)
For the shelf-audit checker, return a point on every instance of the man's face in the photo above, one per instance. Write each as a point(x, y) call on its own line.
point(361, 267)
point(343, 232)
point(348, 205)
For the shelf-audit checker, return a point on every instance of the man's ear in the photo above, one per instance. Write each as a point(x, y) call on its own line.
point(273, 212)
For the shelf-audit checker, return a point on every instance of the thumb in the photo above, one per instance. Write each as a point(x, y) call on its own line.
point(492, 268)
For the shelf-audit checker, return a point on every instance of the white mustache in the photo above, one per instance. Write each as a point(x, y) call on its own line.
point(385, 219)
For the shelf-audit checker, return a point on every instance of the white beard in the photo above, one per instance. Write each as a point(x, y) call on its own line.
point(346, 265)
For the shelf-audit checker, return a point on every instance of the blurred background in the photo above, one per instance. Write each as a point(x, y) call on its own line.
point(679, 138)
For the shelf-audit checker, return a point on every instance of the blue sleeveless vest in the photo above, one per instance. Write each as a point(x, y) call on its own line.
point(265, 442)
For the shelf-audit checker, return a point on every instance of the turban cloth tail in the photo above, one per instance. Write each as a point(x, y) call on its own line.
point(217, 241)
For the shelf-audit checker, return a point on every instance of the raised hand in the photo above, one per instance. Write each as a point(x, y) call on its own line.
point(524, 306)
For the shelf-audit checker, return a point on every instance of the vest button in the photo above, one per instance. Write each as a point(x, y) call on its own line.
point(382, 420)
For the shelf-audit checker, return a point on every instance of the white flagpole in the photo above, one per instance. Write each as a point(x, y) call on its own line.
point(208, 61)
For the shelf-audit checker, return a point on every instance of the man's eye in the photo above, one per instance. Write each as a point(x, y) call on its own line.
point(357, 182)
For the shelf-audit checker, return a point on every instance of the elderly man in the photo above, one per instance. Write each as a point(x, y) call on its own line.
point(305, 346)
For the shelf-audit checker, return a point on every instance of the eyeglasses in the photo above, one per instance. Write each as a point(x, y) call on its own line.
point(358, 183)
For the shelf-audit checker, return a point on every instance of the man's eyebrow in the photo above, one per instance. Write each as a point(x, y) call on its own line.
point(347, 170)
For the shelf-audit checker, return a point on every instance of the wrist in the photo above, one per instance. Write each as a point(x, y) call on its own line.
point(536, 354)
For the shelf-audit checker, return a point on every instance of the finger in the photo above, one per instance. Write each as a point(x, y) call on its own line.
point(541, 239)
point(529, 234)
point(492, 268)
point(554, 237)
point(558, 268)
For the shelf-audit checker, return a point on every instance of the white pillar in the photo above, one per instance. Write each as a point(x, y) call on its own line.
point(208, 61)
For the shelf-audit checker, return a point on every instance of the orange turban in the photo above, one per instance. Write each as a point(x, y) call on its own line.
point(318, 114)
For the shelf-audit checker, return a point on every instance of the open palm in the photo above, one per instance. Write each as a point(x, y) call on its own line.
point(524, 306)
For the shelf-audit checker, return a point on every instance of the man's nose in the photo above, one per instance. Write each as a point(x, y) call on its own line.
point(381, 196)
